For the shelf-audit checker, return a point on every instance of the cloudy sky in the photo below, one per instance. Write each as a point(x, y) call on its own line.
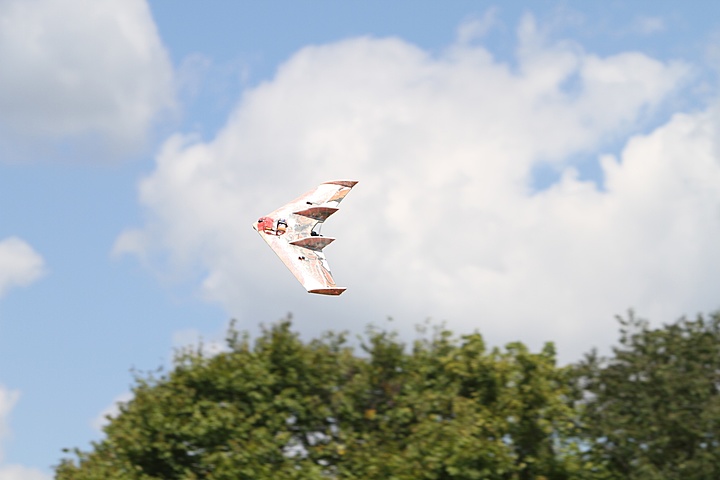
point(527, 172)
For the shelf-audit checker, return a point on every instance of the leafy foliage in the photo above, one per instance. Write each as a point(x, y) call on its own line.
point(653, 409)
point(443, 408)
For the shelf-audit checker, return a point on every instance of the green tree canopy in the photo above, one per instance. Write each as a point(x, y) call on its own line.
point(278, 407)
point(652, 410)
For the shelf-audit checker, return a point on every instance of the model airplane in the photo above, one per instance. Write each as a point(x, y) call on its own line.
point(292, 231)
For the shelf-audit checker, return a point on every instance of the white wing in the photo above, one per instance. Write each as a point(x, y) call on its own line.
point(291, 233)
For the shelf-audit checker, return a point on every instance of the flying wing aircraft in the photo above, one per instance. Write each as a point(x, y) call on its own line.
point(292, 231)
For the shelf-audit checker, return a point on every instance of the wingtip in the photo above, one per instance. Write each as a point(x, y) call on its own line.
point(328, 290)
point(344, 183)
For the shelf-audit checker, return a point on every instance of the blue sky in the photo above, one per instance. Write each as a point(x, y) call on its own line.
point(527, 171)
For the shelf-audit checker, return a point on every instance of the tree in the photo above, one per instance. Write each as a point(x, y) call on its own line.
point(446, 408)
point(652, 411)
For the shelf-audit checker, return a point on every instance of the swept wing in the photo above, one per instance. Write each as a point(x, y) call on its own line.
point(292, 231)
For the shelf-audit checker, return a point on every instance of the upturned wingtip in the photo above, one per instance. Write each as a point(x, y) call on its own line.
point(344, 183)
point(328, 290)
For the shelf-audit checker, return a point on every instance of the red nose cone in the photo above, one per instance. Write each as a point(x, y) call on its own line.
point(265, 224)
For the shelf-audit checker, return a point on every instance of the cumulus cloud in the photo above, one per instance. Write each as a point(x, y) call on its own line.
point(445, 221)
point(649, 25)
point(18, 472)
point(112, 410)
point(182, 339)
point(8, 399)
point(20, 265)
point(80, 70)
point(477, 27)
point(192, 339)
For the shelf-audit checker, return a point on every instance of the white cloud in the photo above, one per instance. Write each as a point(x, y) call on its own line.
point(193, 339)
point(8, 399)
point(111, 411)
point(18, 472)
point(649, 25)
point(80, 69)
point(475, 28)
point(445, 222)
point(20, 265)
point(188, 338)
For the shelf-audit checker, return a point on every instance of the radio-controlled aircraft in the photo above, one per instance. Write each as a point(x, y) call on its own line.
point(293, 232)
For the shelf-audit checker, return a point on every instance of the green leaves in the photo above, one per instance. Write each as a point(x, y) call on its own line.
point(287, 409)
point(445, 408)
point(653, 411)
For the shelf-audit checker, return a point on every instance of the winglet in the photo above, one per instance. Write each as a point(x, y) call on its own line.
point(343, 183)
point(317, 213)
point(313, 243)
point(328, 290)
